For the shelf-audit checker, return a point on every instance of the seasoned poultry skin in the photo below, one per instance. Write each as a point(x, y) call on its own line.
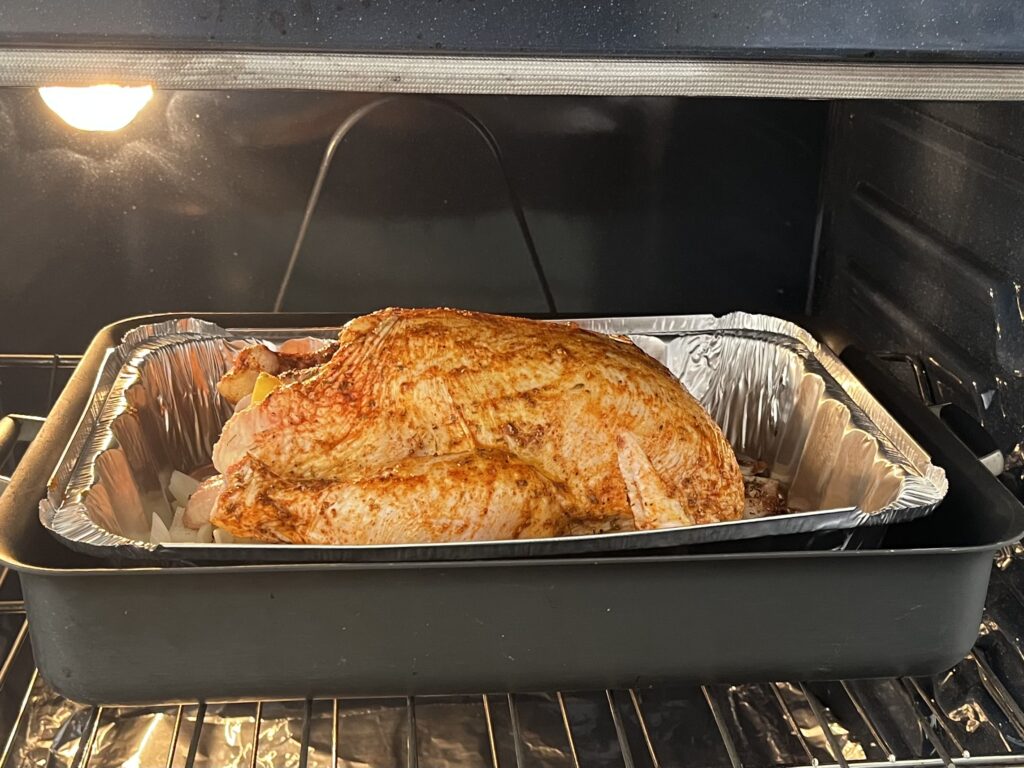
point(447, 425)
point(423, 499)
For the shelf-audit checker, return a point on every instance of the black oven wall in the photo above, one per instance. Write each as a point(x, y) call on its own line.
point(923, 246)
point(636, 205)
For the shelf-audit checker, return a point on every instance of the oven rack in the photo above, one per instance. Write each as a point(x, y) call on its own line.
point(971, 715)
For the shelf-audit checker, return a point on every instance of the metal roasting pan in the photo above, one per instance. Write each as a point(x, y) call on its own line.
point(728, 612)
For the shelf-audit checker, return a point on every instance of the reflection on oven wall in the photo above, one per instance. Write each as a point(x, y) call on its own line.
point(635, 205)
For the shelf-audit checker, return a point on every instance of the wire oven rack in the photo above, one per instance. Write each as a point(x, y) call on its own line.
point(971, 715)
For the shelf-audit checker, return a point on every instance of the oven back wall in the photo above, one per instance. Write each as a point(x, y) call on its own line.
point(636, 205)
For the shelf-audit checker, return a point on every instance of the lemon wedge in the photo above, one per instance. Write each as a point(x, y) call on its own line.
point(265, 384)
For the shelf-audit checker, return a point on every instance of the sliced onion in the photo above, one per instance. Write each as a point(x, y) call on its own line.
point(179, 533)
point(158, 533)
point(223, 537)
point(182, 486)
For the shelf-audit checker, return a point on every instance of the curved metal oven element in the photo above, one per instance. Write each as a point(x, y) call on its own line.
point(478, 127)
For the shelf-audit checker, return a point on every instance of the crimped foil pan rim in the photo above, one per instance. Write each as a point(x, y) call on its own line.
point(64, 513)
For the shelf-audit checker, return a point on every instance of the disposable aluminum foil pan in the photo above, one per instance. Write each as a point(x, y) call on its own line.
point(778, 395)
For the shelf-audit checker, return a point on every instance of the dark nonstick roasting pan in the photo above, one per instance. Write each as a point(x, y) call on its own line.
point(909, 604)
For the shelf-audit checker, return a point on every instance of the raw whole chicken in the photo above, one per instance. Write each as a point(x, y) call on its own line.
point(432, 425)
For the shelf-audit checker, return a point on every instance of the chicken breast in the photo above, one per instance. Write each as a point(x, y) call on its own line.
point(439, 424)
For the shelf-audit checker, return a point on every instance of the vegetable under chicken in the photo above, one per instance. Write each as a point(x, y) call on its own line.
point(432, 425)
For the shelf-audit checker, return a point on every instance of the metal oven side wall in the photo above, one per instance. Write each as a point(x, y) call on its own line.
point(921, 247)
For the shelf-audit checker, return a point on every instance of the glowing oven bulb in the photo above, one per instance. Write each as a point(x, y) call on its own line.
point(97, 107)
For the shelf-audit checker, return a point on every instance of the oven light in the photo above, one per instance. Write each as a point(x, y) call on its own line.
point(97, 107)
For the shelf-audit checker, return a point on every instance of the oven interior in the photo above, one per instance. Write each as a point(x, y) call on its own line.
point(894, 226)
